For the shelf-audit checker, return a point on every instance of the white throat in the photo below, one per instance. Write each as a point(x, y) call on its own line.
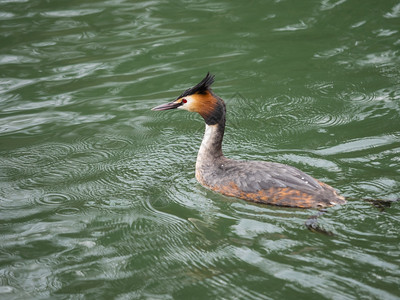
point(207, 139)
point(210, 146)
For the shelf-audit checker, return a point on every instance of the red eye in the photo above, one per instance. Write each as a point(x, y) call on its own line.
point(184, 100)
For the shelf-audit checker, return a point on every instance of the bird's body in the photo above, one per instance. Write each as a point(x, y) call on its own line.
point(256, 181)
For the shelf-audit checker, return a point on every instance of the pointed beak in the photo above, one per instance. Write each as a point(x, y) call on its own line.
point(170, 105)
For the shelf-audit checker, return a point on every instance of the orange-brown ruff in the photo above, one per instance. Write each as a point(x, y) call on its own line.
point(256, 181)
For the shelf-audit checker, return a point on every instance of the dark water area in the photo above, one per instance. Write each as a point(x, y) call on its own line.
point(98, 198)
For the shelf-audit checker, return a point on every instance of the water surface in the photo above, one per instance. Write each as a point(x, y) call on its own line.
point(97, 193)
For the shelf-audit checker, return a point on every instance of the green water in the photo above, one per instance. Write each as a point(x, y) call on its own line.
point(98, 198)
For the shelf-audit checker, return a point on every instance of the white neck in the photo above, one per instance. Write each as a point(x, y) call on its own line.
point(210, 148)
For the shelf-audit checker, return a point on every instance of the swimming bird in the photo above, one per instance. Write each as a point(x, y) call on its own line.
point(256, 181)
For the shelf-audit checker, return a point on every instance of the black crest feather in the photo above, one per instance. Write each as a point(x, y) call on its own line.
point(201, 87)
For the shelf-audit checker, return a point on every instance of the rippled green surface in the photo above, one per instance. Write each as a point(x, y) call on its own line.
point(97, 193)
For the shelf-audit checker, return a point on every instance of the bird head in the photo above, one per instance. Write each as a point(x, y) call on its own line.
point(200, 99)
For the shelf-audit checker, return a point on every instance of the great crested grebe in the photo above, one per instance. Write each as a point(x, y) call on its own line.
point(256, 181)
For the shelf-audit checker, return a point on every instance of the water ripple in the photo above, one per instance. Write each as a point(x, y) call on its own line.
point(70, 13)
point(293, 27)
point(395, 13)
point(54, 199)
point(356, 145)
point(40, 155)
